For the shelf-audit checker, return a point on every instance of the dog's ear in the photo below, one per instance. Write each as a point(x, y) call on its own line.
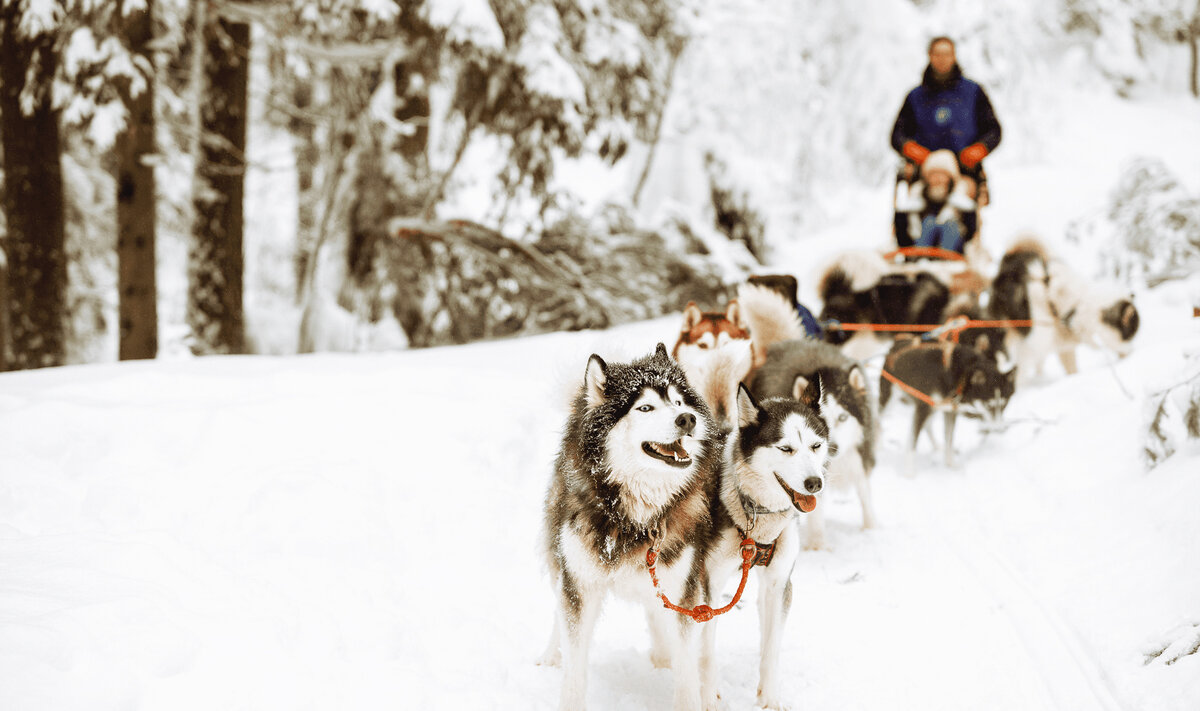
point(660, 353)
point(812, 394)
point(799, 386)
point(979, 378)
point(1129, 320)
point(747, 408)
point(858, 380)
point(733, 314)
point(691, 316)
point(594, 380)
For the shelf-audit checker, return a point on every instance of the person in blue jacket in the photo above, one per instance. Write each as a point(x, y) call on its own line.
point(947, 112)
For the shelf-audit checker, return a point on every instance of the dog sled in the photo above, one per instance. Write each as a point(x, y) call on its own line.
point(938, 219)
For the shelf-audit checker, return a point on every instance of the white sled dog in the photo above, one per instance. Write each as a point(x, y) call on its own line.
point(1065, 309)
point(643, 467)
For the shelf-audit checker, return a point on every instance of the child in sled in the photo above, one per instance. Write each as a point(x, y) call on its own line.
point(934, 210)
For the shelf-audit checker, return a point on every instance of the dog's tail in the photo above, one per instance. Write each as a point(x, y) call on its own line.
point(715, 374)
point(860, 269)
point(770, 317)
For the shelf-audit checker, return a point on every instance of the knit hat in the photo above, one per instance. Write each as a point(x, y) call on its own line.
point(943, 160)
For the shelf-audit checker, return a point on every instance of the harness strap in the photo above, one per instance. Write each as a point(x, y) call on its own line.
point(947, 349)
point(763, 552)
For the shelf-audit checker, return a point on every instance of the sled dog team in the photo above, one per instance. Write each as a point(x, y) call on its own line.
point(679, 471)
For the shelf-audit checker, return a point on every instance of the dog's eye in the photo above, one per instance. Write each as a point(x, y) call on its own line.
point(786, 448)
point(843, 417)
point(815, 446)
point(703, 346)
point(645, 408)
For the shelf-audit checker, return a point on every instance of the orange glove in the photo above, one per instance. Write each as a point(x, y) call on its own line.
point(915, 152)
point(972, 154)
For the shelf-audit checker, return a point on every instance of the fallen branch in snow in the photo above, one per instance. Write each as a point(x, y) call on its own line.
point(1160, 437)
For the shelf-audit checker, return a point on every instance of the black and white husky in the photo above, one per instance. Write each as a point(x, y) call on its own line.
point(642, 465)
point(775, 465)
point(1066, 310)
point(847, 406)
point(638, 467)
point(949, 377)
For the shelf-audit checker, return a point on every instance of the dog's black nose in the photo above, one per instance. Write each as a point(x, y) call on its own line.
point(813, 484)
point(686, 422)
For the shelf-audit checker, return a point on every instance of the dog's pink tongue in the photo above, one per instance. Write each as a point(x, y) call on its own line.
point(806, 503)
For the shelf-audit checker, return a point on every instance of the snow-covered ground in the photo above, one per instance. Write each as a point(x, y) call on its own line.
point(360, 531)
point(340, 531)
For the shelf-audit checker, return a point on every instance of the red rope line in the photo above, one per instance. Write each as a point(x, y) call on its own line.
point(925, 327)
point(925, 252)
point(909, 389)
point(703, 613)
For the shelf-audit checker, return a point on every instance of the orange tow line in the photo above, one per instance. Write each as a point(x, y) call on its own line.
point(704, 613)
point(951, 329)
point(926, 252)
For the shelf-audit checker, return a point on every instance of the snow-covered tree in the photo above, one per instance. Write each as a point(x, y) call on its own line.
point(1176, 21)
point(136, 193)
point(33, 185)
point(215, 259)
point(1152, 227)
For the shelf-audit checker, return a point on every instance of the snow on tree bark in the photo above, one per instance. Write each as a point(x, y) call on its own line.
point(136, 225)
point(215, 261)
point(32, 197)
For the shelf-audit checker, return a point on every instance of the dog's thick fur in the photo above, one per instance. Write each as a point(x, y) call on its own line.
point(863, 287)
point(705, 330)
point(847, 405)
point(956, 377)
point(783, 365)
point(775, 465)
point(1066, 310)
point(642, 461)
point(613, 493)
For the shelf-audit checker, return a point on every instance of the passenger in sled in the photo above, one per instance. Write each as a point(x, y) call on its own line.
point(944, 130)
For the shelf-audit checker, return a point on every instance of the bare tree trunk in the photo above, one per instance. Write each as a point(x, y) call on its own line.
point(137, 291)
point(33, 198)
point(1194, 45)
point(3, 307)
point(216, 262)
point(658, 123)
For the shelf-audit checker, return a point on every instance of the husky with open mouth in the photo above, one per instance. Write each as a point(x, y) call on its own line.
point(638, 469)
point(775, 465)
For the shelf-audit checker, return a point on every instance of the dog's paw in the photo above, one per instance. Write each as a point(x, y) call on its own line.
point(816, 543)
point(550, 658)
point(660, 659)
point(1183, 641)
point(770, 701)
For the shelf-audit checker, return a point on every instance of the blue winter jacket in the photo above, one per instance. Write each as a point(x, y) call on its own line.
point(951, 114)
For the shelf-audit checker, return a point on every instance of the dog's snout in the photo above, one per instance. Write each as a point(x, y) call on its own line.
point(813, 484)
point(686, 422)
